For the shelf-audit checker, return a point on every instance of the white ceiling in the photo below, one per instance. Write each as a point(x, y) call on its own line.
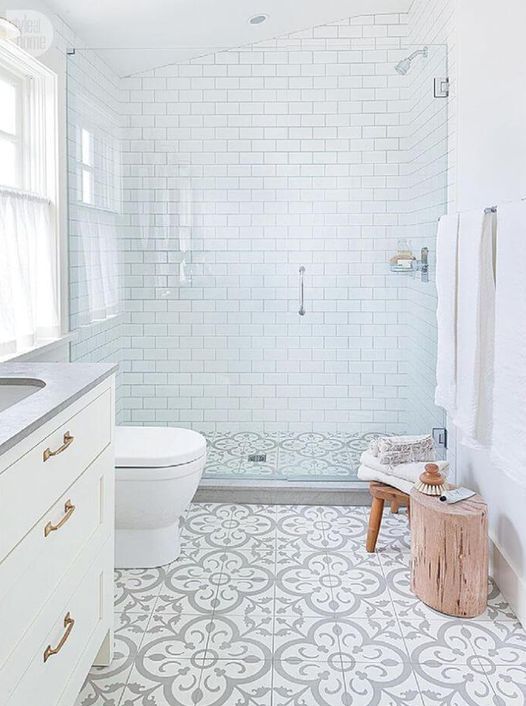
point(137, 35)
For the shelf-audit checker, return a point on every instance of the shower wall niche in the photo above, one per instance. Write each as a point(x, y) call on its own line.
point(238, 169)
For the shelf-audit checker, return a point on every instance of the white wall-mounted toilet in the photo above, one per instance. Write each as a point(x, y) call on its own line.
point(157, 471)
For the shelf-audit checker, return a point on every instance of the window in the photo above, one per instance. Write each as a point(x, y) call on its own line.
point(86, 162)
point(10, 130)
point(98, 159)
point(29, 283)
point(94, 212)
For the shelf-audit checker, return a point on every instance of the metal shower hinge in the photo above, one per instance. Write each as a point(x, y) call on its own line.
point(441, 87)
point(440, 437)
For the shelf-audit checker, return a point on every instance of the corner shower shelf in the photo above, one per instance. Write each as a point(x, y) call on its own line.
point(400, 269)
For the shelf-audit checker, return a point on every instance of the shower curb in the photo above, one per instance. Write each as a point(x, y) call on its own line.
point(283, 493)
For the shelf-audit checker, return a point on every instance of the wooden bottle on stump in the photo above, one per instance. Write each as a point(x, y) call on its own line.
point(449, 552)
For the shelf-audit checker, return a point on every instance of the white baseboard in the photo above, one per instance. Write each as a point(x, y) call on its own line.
point(512, 586)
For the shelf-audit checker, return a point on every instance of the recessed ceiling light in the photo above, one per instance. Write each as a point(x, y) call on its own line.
point(258, 19)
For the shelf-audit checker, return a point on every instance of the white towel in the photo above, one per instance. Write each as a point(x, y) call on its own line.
point(446, 283)
point(475, 328)
point(368, 474)
point(409, 472)
point(509, 426)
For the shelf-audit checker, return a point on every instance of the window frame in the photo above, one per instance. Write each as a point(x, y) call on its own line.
point(43, 121)
point(19, 137)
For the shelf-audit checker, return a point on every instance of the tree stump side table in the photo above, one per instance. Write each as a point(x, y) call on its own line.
point(449, 553)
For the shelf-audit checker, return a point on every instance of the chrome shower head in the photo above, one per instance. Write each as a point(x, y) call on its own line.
point(403, 66)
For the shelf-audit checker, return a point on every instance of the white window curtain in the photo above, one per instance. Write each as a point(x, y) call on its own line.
point(29, 312)
point(98, 235)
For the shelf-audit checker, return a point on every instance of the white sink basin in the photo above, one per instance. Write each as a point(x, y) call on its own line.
point(13, 390)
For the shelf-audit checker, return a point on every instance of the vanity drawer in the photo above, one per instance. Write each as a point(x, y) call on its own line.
point(54, 656)
point(33, 483)
point(30, 575)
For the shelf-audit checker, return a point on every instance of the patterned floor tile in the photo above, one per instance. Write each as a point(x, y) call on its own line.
point(282, 606)
point(344, 533)
point(195, 564)
point(174, 637)
point(348, 566)
point(252, 528)
point(293, 570)
point(240, 638)
point(444, 643)
point(244, 597)
point(394, 535)
point(306, 640)
point(207, 526)
point(387, 684)
point(375, 641)
point(455, 685)
point(307, 683)
point(232, 682)
point(266, 471)
point(508, 683)
point(223, 468)
point(498, 607)
point(255, 566)
point(306, 456)
point(364, 600)
point(183, 593)
point(136, 590)
point(300, 531)
point(179, 686)
point(501, 643)
point(105, 685)
point(304, 599)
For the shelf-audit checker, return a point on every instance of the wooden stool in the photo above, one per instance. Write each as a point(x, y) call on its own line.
point(380, 493)
point(449, 552)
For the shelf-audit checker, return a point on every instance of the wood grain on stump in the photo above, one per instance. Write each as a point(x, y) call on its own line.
point(449, 552)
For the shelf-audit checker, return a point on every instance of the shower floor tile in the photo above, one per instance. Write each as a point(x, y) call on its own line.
point(282, 606)
point(304, 456)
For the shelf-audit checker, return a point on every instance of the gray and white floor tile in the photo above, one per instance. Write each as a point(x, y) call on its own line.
point(306, 456)
point(282, 606)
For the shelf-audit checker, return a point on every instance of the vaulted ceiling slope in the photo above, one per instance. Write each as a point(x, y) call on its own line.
point(137, 35)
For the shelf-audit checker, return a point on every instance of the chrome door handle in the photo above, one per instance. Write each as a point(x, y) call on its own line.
point(301, 311)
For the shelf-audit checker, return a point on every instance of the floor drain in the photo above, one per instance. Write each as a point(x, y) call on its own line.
point(257, 458)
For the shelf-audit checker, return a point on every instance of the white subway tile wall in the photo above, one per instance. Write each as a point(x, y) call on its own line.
point(240, 167)
point(237, 169)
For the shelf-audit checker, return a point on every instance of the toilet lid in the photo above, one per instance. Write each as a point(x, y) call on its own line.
point(157, 447)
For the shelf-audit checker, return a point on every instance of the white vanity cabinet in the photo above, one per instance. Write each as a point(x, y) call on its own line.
point(56, 552)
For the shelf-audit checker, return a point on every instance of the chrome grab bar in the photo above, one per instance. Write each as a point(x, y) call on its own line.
point(301, 311)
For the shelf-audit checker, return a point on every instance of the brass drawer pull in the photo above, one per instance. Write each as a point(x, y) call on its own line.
point(50, 651)
point(69, 509)
point(68, 440)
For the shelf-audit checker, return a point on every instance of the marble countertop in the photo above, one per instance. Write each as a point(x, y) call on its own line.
point(64, 383)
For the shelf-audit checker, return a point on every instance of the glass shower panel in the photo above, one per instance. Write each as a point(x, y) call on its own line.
point(264, 191)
